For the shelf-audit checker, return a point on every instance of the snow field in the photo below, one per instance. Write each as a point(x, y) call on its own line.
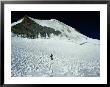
point(31, 57)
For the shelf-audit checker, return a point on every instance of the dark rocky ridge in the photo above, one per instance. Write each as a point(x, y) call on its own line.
point(30, 29)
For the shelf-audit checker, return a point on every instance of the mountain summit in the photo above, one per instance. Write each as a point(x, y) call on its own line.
point(27, 21)
point(35, 28)
point(30, 29)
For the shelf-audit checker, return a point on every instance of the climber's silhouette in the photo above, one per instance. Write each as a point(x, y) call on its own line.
point(51, 56)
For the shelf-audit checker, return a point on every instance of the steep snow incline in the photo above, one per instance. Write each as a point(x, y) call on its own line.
point(67, 31)
point(31, 57)
point(19, 21)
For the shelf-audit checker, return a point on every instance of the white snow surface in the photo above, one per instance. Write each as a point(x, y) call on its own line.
point(74, 54)
point(19, 21)
point(31, 58)
point(66, 30)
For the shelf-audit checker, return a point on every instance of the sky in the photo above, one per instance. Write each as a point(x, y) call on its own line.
point(86, 22)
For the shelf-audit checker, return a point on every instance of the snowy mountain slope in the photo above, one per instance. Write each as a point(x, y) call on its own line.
point(74, 54)
point(19, 21)
point(66, 30)
point(31, 57)
point(30, 29)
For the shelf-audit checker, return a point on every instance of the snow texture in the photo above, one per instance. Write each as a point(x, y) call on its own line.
point(74, 55)
point(31, 57)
